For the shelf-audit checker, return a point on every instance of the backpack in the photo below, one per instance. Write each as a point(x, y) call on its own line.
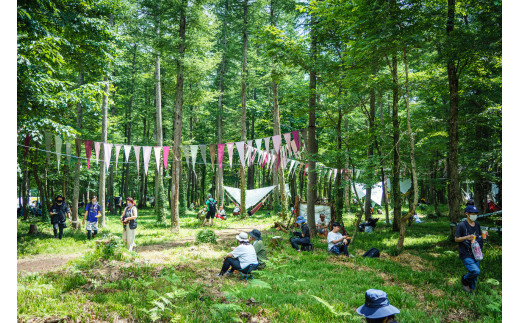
point(212, 206)
point(372, 253)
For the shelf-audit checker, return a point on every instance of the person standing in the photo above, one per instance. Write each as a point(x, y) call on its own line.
point(337, 242)
point(212, 209)
point(59, 212)
point(128, 218)
point(468, 231)
point(303, 237)
point(92, 213)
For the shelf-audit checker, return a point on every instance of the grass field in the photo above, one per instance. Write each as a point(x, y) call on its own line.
point(180, 284)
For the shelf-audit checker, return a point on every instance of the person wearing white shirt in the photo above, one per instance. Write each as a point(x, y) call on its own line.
point(321, 225)
point(241, 256)
point(337, 242)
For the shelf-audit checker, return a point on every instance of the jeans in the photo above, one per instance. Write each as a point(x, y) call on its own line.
point(473, 272)
point(55, 228)
point(234, 263)
point(295, 242)
point(341, 248)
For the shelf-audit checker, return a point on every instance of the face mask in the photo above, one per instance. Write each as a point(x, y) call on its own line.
point(129, 204)
point(473, 217)
point(60, 202)
point(94, 203)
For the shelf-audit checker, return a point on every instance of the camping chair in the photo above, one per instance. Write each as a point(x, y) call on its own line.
point(247, 272)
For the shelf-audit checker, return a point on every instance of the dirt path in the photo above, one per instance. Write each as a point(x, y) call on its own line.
point(44, 263)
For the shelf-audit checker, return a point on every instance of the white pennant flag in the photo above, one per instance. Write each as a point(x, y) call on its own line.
point(267, 143)
point(248, 153)
point(240, 149)
point(118, 149)
point(277, 140)
point(230, 146)
point(187, 155)
point(157, 152)
point(137, 150)
point(203, 153)
point(194, 149)
point(107, 154)
point(330, 173)
point(97, 145)
point(335, 173)
point(147, 152)
point(68, 149)
point(127, 151)
point(290, 167)
point(58, 142)
point(258, 143)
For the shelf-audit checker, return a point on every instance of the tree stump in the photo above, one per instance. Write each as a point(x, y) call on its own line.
point(33, 229)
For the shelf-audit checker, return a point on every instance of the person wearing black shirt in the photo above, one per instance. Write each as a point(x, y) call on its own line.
point(466, 232)
point(303, 237)
point(58, 211)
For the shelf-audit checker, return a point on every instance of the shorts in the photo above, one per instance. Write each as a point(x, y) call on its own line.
point(210, 215)
point(92, 226)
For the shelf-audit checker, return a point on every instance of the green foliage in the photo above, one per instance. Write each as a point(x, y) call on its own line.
point(206, 236)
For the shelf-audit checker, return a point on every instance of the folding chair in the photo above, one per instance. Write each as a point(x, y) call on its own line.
point(247, 272)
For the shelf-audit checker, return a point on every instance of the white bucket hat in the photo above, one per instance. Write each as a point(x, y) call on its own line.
point(242, 237)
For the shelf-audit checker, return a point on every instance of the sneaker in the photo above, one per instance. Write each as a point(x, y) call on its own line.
point(229, 273)
point(219, 275)
point(466, 288)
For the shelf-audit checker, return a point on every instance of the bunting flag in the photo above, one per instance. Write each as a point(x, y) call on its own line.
point(88, 151)
point(48, 140)
point(97, 145)
point(58, 142)
point(137, 150)
point(267, 143)
point(258, 143)
point(220, 154)
point(265, 159)
point(277, 140)
point(147, 152)
point(250, 143)
point(107, 154)
point(203, 153)
point(248, 153)
point(294, 147)
point(165, 151)
point(186, 154)
point(157, 153)
point(291, 167)
point(296, 136)
point(68, 150)
point(305, 170)
point(230, 146)
point(212, 155)
point(240, 149)
point(193, 149)
point(335, 173)
point(26, 142)
point(127, 149)
point(287, 137)
point(330, 173)
point(252, 158)
point(118, 149)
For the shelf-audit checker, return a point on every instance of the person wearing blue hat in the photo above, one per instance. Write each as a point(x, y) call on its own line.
point(377, 308)
point(467, 231)
point(303, 237)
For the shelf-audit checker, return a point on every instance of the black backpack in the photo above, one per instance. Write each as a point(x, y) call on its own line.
point(212, 206)
point(372, 253)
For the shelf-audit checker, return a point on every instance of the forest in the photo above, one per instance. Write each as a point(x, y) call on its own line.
point(323, 103)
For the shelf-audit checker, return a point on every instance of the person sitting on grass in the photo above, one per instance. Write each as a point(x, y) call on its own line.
point(241, 256)
point(202, 213)
point(338, 243)
point(321, 225)
point(303, 237)
point(236, 210)
point(377, 309)
point(92, 213)
point(255, 237)
point(221, 214)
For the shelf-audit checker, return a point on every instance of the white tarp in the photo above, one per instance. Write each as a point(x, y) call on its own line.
point(376, 195)
point(252, 196)
point(404, 185)
point(318, 209)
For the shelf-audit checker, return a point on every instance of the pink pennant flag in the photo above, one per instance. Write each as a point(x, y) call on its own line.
point(88, 151)
point(165, 151)
point(230, 146)
point(118, 149)
point(266, 140)
point(147, 152)
point(252, 158)
point(97, 145)
point(137, 150)
point(107, 154)
point(240, 149)
point(220, 154)
point(296, 136)
point(277, 140)
point(293, 146)
point(127, 149)
point(287, 137)
point(157, 153)
point(265, 160)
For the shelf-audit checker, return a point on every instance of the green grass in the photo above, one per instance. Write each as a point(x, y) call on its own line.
point(423, 282)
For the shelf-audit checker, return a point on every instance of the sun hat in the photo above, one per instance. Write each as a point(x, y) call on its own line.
point(300, 219)
point(242, 236)
point(376, 305)
point(255, 234)
point(470, 209)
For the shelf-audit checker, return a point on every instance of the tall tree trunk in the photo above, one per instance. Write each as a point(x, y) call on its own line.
point(402, 229)
point(129, 124)
point(104, 109)
point(177, 139)
point(370, 154)
point(396, 192)
point(312, 145)
point(75, 195)
point(222, 70)
point(339, 190)
point(453, 132)
point(243, 99)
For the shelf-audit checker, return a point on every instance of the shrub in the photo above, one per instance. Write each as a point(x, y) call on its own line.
point(206, 236)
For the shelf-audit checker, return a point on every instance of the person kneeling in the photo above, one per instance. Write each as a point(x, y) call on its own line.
point(303, 237)
point(241, 257)
point(338, 243)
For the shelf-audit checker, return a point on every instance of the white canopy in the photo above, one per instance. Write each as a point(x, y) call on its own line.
point(377, 192)
point(252, 196)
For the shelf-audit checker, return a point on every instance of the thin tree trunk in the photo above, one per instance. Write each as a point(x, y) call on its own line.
point(243, 100)
point(104, 109)
point(396, 192)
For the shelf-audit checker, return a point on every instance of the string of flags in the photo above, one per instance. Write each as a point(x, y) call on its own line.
point(281, 155)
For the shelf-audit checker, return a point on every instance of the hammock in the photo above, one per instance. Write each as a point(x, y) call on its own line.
point(252, 196)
